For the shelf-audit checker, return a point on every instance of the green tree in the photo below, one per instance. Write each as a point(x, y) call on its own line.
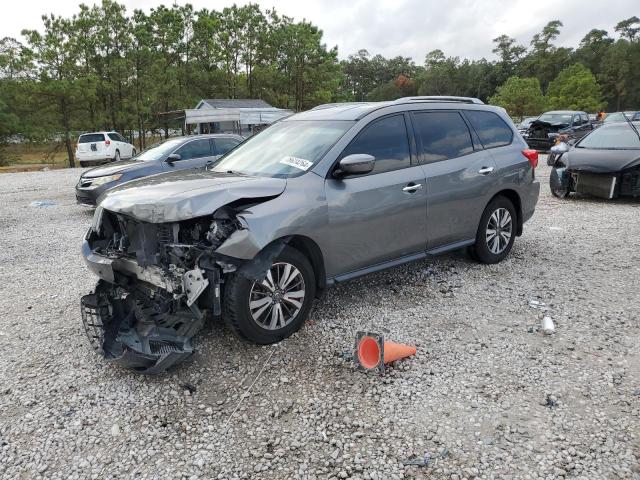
point(58, 87)
point(629, 28)
point(509, 54)
point(520, 97)
point(575, 88)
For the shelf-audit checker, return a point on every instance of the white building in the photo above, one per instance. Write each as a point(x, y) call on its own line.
point(242, 116)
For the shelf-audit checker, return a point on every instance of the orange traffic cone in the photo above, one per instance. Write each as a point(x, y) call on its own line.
point(372, 352)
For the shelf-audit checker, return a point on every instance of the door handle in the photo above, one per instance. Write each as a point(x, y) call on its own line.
point(485, 170)
point(412, 187)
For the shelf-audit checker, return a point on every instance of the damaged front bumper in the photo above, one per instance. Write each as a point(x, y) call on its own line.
point(159, 282)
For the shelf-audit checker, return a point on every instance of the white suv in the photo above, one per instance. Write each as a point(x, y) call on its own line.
point(101, 147)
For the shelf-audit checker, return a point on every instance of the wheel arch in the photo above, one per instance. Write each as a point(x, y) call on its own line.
point(310, 249)
point(515, 199)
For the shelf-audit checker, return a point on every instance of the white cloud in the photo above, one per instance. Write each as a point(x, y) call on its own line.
point(404, 27)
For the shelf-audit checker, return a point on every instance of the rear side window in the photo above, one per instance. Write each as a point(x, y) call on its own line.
point(195, 149)
point(443, 135)
point(224, 144)
point(114, 136)
point(386, 139)
point(91, 138)
point(491, 129)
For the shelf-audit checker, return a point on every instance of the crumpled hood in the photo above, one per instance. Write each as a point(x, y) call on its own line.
point(113, 168)
point(177, 196)
point(601, 161)
point(553, 127)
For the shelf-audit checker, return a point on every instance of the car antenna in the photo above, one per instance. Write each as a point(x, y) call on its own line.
point(633, 127)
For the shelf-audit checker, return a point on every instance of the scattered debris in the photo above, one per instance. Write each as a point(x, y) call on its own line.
point(556, 229)
point(43, 203)
point(551, 401)
point(533, 303)
point(418, 461)
point(190, 387)
point(548, 327)
point(115, 430)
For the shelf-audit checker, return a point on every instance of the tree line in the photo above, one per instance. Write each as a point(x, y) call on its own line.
point(104, 68)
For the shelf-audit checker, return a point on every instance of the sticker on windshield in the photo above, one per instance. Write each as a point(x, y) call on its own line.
point(299, 163)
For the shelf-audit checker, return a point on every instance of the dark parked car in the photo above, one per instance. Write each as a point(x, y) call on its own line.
point(316, 199)
point(605, 163)
point(177, 153)
point(572, 124)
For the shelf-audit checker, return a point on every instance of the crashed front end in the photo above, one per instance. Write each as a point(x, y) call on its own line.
point(158, 283)
point(537, 136)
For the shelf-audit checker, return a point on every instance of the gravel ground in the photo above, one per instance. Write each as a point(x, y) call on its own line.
point(488, 395)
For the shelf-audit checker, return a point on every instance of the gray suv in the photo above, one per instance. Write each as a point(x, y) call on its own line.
point(319, 198)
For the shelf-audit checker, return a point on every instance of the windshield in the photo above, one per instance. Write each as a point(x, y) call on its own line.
point(285, 149)
point(615, 138)
point(159, 150)
point(618, 117)
point(564, 118)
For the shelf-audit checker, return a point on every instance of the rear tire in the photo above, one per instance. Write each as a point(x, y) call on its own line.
point(496, 232)
point(83, 164)
point(116, 157)
point(264, 315)
point(133, 153)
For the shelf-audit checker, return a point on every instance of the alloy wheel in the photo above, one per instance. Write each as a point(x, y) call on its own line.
point(276, 301)
point(499, 231)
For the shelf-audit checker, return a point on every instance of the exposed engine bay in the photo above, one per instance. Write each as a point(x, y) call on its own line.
point(159, 282)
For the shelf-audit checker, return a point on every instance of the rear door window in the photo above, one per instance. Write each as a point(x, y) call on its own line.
point(195, 149)
point(114, 136)
point(492, 130)
point(224, 144)
point(386, 139)
point(442, 135)
point(91, 138)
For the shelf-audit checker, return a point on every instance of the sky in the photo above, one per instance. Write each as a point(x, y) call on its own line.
point(409, 28)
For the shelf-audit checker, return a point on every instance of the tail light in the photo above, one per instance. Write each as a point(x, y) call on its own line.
point(532, 156)
point(108, 142)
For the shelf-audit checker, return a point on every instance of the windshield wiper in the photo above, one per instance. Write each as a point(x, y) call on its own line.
point(236, 172)
point(633, 127)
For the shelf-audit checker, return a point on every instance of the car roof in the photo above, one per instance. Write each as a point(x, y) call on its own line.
point(564, 111)
point(356, 110)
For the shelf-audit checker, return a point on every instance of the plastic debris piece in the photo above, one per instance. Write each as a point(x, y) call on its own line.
point(547, 325)
point(414, 460)
point(533, 303)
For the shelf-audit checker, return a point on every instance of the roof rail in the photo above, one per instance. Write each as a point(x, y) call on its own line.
point(336, 104)
point(436, 98)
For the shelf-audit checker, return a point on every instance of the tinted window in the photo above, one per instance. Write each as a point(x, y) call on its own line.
point(195, 149)
point(224, 144)
point(491, 129)
point(91, 138)
point(386, 139)
point(114, 136)
point(443, 135)
point(584, 118)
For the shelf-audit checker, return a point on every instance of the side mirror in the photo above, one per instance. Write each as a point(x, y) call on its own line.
point(174, 157)
point(560, 148)
point(355, 164)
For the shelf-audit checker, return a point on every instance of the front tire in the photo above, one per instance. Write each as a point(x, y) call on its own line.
point(557, 184)
point(496, 232)
point(273, 309)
